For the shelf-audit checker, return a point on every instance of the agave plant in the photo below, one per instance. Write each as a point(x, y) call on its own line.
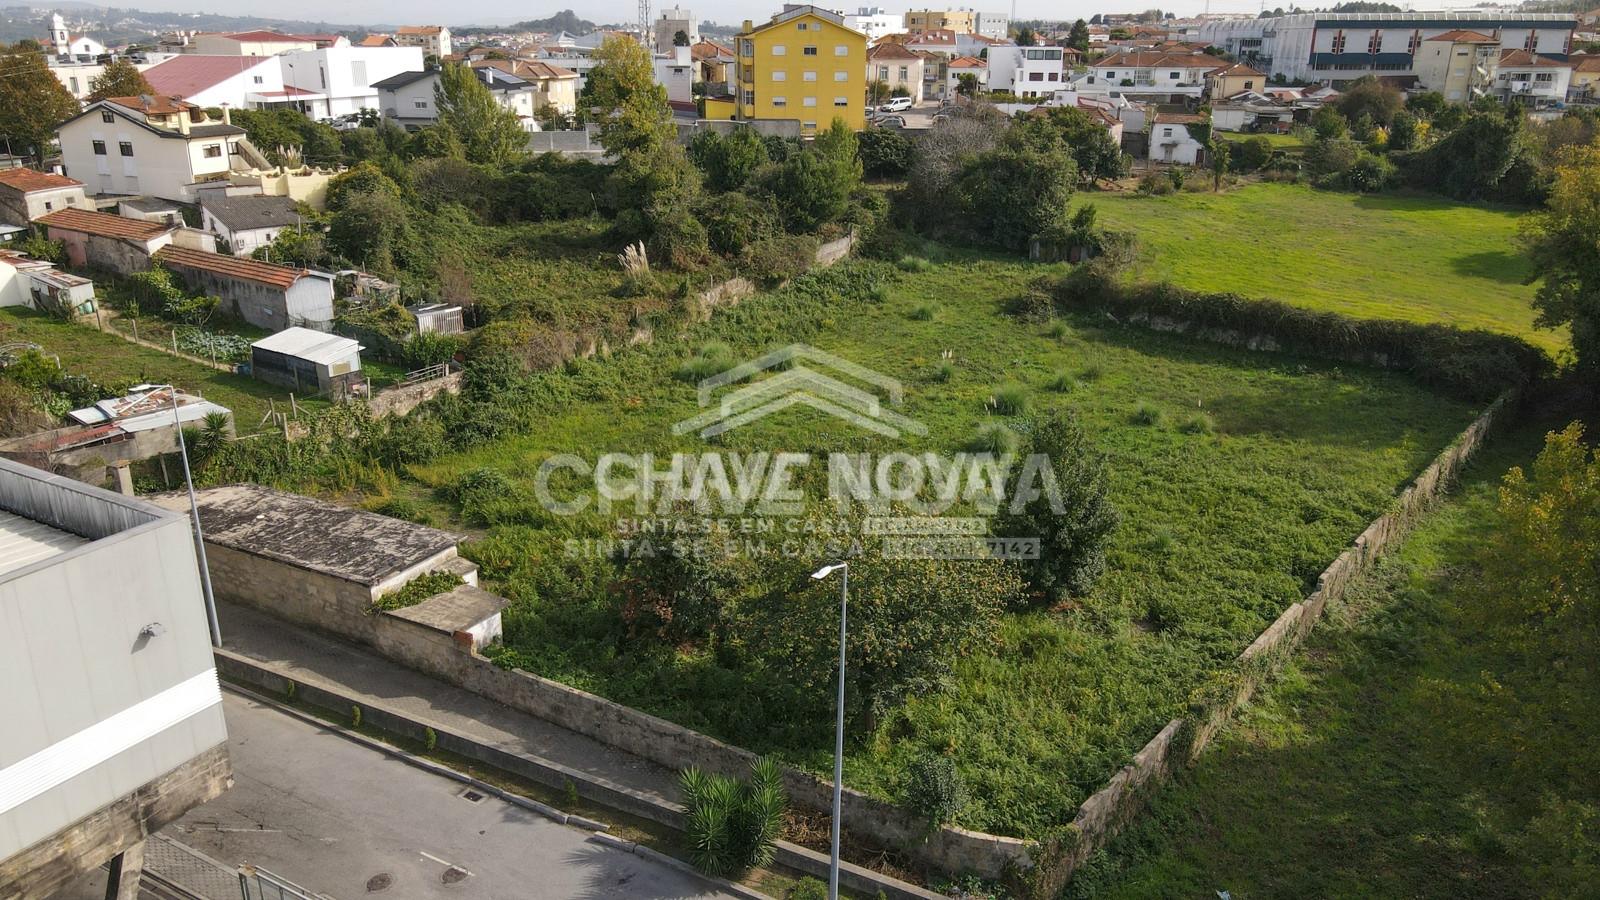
point(731, 824)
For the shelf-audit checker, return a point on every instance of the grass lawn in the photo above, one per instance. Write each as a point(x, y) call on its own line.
point(1383, 763)
point(1221, 530)
point(107, 358)
point(1388, 256)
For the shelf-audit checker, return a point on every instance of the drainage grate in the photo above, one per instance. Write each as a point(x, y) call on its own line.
point(471, 796)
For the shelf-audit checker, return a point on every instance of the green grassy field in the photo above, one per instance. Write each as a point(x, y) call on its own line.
point(1221, 530)
point(1384, 763)
point(107, 358)
point(1388, 256)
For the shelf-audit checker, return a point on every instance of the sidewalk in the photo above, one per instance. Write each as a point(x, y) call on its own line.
point(362, 675)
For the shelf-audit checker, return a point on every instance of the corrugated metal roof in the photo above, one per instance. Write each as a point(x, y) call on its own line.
point(188, 74)
point(24, 542)
point(315, 346)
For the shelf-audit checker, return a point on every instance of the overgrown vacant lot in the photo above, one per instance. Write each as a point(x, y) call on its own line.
point(1418, 258)
point(1222, 529)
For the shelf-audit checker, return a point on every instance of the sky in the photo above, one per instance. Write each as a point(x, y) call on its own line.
point(727, 12)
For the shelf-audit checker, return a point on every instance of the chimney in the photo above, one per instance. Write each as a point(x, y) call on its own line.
point(227, 117)
point(183, 123)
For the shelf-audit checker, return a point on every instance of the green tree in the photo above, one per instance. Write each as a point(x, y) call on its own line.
point(1368, 96)
point(120, 78)
point(813, 187)
point(1090, 145)
point(967, 84)
point(1403, 131)
point(1329, 123)
point(680, 38)
point(1477, 160)
point(1561, 238)
point(1011, 194)
point(32, 102)
point(1218, 152)
point(877, 92)
point(1250, 154)
point(884, 153)
point(1078, 37)
point(634, 116)
point(490, 134)
point(1426, 104)
point(731, 825)
point(1027, 37)
point(728, 162)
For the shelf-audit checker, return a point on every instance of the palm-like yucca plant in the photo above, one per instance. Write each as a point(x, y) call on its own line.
point(731, 824)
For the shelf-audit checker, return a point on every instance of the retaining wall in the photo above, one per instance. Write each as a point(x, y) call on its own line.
point(404, 398)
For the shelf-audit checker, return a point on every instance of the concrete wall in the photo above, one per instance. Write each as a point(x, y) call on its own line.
point(122, 257)
point(403, 399)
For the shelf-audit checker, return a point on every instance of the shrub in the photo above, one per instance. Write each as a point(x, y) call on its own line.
point(429, 349)
point(993, 438)
point(944, 372)
point(1062, 383)
point(730, 825)
point(1092, 372)
point(708, 360)
point(1155, 184)
point(418, 589)
point(934, 788)
point(1370, 173)
point(884, 153)
point(1010, 399)
point(777, 259)
point(1073, 527)
point(1146, 414)
point(1032, 305)
point(1251, 154)
point(914, 264)
point(922, 313)
point(1199, 423)
point(478, 489)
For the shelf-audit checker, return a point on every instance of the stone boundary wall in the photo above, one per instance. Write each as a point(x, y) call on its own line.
point(1104, 813)
point(406, 397)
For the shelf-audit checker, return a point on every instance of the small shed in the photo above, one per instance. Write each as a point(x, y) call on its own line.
point(438, 318)
point(264, 294)
point(309, 361)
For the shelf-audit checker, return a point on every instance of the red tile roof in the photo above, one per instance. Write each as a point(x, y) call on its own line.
point(1238, 69)
point(270, 37)
point(230, 266)
point(708, 49)
point(158, 105)
point(418, 29)
point(1458, 36)
point(1155, 59)
point(188, 74)
point(103, 224)
point(1585, 62)
point(376, 40)
point(1522, 59)
point(969, 62)
point(28, 180)
point(890, 51)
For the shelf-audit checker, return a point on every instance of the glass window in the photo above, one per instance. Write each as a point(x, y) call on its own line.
point(810, 76)
point(841, 101)
point(780, 101)
point(748, 47)
point(883, 73)
point(809, 51)
point(107, 115)
point(780, 76)
point(841, 50)
point(778, 50)
point(258, 79)
point(841, 76)
point(809, 101)
point(211, 151)
point(99, 148)
point(421, 104)
point(904, 72)
point(125, 148)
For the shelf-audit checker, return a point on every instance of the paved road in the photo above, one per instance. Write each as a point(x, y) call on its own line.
point(332, 815)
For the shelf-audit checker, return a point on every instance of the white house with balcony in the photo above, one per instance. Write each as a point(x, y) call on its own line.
point(1150, 73)
point(156, 145)
point(1531, 79)
point(337, 81)
point(1027, 71)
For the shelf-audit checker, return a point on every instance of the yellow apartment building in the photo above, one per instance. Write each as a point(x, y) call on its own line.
point(804, 64)
point(961, 21)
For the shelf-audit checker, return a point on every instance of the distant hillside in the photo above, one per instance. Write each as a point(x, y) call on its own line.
point(566, 20)
point(122, 26)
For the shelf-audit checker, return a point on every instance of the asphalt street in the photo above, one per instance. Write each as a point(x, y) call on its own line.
point(350, 822)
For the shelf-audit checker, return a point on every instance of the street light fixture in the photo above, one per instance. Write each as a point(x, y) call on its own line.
point(838, 734)
point(199, 536)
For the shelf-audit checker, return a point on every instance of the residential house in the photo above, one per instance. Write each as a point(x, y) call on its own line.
point(1233, 79)
point(27, 194)
point(266, 295)
point(674, 70)
point(156, 145)
point(1459, 64)
point(967, 65)
point(897, 68)
point(1173, 74)
point(248, 43)
point(1171, 142)
point(234, 82)
point(960, 20)
point(377, 40)
point(550, 85)
point(1531, 79)
point(105, 241)
point(433, 39)
point(805, 65)
point(38, 284)
point(340, 81)
point(308, 362)
point(713, 66)
point(1027, 71)
point(408, 99)
point(873, 22)
point(112, 711)
point(670, 23)
point(246, 222)
point(1585, 85)
point(101, 439)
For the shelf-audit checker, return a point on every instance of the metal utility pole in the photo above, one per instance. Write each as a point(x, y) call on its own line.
point(644, 25)
point(838, 734)
point(199, 536)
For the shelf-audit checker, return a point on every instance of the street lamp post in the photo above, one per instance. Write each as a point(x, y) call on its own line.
point(838, 733)
point(199, 536)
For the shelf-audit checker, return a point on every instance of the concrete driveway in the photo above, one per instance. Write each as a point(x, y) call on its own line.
point(350, 822)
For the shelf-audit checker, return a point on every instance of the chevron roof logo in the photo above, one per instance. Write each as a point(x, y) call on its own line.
point(803, 376)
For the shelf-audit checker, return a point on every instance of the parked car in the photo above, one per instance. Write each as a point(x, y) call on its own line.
point(896, 104)
point(890, 122)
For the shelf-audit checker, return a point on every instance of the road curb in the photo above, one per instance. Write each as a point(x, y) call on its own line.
point(657, 856)
point(427, 765)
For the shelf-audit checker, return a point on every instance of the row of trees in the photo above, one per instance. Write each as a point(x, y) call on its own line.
point(33, 101)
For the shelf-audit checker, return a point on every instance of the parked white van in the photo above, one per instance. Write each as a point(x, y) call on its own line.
point(896, 104)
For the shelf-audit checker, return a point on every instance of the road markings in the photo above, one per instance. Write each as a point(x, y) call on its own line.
point(445, 862)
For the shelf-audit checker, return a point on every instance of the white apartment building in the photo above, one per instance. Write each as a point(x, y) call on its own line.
point(234, 82)
point(674, 70)
point(158, 146)
point(338, 81)
point(1530, 79)
point(996, 25)
point(1345, 46)
point(1150, 72)
point(874, 22)
point(1026, 71)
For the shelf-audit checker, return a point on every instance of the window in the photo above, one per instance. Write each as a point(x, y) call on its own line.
point(1375, 43)
point(1055, 76)
point(1035, 76)
point(841, 101)
point(810, 76)
point(1338, 42)
point(809, 51)
point(780, 101)
point(778, 50)
point(1110, 76)
point(841, 76)
point(258, 79)
point(72, 85)
point(1166, 132)
point(1544, 76)
point(883, 73)
point(1414, 42)
point(904, 72)
point(809, 101)
point(125, 148)
point(1532, 43)
point(108, 116)
point(48, 206)
point(747, 48)
point(211, 151)
point(780, 75)
point(809, 126)
point(749, 97)
point(841, 50)
point(1174, 76)
point(1249, 85)
point(421, 104)
point(99, 148)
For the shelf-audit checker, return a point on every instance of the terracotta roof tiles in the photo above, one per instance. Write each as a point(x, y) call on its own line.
point(230, 266)
point(103, 224)
point(29, 180)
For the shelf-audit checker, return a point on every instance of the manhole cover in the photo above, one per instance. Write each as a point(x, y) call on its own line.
point(379, 882)
point(453, 875)
point(471, 796)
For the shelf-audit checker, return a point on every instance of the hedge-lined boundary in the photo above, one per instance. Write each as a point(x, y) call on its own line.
point(1108, 810)
point(1472, 364)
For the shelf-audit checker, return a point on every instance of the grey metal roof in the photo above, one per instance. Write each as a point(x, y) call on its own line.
point(248, 213)
point(401, 80)
point(308, 344)
point(24, 542)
